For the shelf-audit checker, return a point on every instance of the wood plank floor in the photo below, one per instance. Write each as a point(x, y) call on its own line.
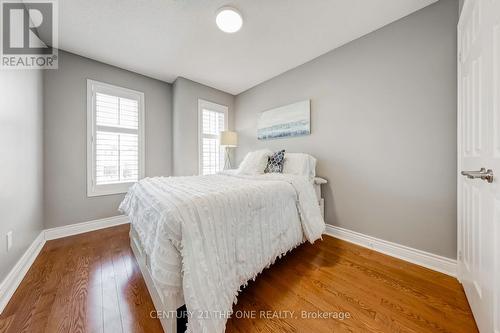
point(91, 283)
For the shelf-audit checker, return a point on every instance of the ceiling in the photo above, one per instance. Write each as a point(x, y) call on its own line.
point(165, 39)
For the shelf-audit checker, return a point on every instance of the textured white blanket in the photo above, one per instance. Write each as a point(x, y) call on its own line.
point(209, 235)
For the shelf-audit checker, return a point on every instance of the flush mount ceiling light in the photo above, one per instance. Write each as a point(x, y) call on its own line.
point(229, 19)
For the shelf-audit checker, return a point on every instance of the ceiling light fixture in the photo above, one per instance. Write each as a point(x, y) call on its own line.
point(229, 19)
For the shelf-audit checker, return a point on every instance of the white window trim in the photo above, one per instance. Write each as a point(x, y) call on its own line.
point(108, 189)
point(203, 104)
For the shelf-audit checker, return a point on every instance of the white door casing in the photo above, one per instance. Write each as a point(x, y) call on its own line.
point(478, 147)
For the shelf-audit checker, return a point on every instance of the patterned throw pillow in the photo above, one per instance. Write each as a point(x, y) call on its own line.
point(275, 162)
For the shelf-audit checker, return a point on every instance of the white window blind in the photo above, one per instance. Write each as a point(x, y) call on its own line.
point(212, 122)
point(117, 144)
point(115, 120)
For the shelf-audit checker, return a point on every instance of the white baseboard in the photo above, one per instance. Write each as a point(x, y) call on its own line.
point(9, 285)
point(432, 261)
point(80, 228)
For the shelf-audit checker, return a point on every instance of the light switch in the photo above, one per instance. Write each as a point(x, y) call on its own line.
point(9, 240)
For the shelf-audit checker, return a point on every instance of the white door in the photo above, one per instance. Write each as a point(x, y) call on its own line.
point(479, 147)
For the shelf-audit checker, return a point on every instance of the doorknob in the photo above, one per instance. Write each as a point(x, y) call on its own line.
point(481, 174)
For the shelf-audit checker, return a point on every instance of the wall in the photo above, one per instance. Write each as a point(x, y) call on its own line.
point(383, 128)
point(65, 190)
point(21, 163)
point(185, 119)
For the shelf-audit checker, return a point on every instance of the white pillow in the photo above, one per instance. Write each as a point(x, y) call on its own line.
point(254, 162)
point(300, 164)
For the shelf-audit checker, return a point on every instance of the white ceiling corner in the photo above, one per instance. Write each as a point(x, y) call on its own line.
point(165, 39)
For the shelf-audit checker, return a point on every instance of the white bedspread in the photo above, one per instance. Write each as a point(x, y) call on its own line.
point(209, 235)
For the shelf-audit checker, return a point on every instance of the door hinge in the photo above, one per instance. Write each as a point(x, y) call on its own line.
point(459, 255)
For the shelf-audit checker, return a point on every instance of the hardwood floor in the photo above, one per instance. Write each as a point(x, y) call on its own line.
point(91, 283)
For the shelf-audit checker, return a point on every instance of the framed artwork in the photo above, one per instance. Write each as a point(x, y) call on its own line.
point(285, 121)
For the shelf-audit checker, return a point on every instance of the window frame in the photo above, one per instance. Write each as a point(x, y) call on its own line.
point(212, 106)
point(94, 86)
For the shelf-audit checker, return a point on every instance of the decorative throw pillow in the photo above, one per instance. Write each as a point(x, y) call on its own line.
point(275, 162)
point(254, 162)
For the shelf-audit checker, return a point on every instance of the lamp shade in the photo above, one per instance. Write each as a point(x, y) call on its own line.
point(229, 139)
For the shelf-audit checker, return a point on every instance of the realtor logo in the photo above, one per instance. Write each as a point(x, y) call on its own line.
point(29, 34)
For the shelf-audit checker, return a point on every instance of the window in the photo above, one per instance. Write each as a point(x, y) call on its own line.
point(212, 119)
point(115, 138)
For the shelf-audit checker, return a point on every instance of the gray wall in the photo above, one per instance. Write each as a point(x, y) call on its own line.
point(65, 121)
point(185, 119)
point(383, 128)
point(21, 163)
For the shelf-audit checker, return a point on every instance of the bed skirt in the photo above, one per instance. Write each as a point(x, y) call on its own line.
point(172, 314)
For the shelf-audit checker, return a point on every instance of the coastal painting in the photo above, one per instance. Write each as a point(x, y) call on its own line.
point(285, 121)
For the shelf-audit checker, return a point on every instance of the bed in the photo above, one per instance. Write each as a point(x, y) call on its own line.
point(198, 240)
